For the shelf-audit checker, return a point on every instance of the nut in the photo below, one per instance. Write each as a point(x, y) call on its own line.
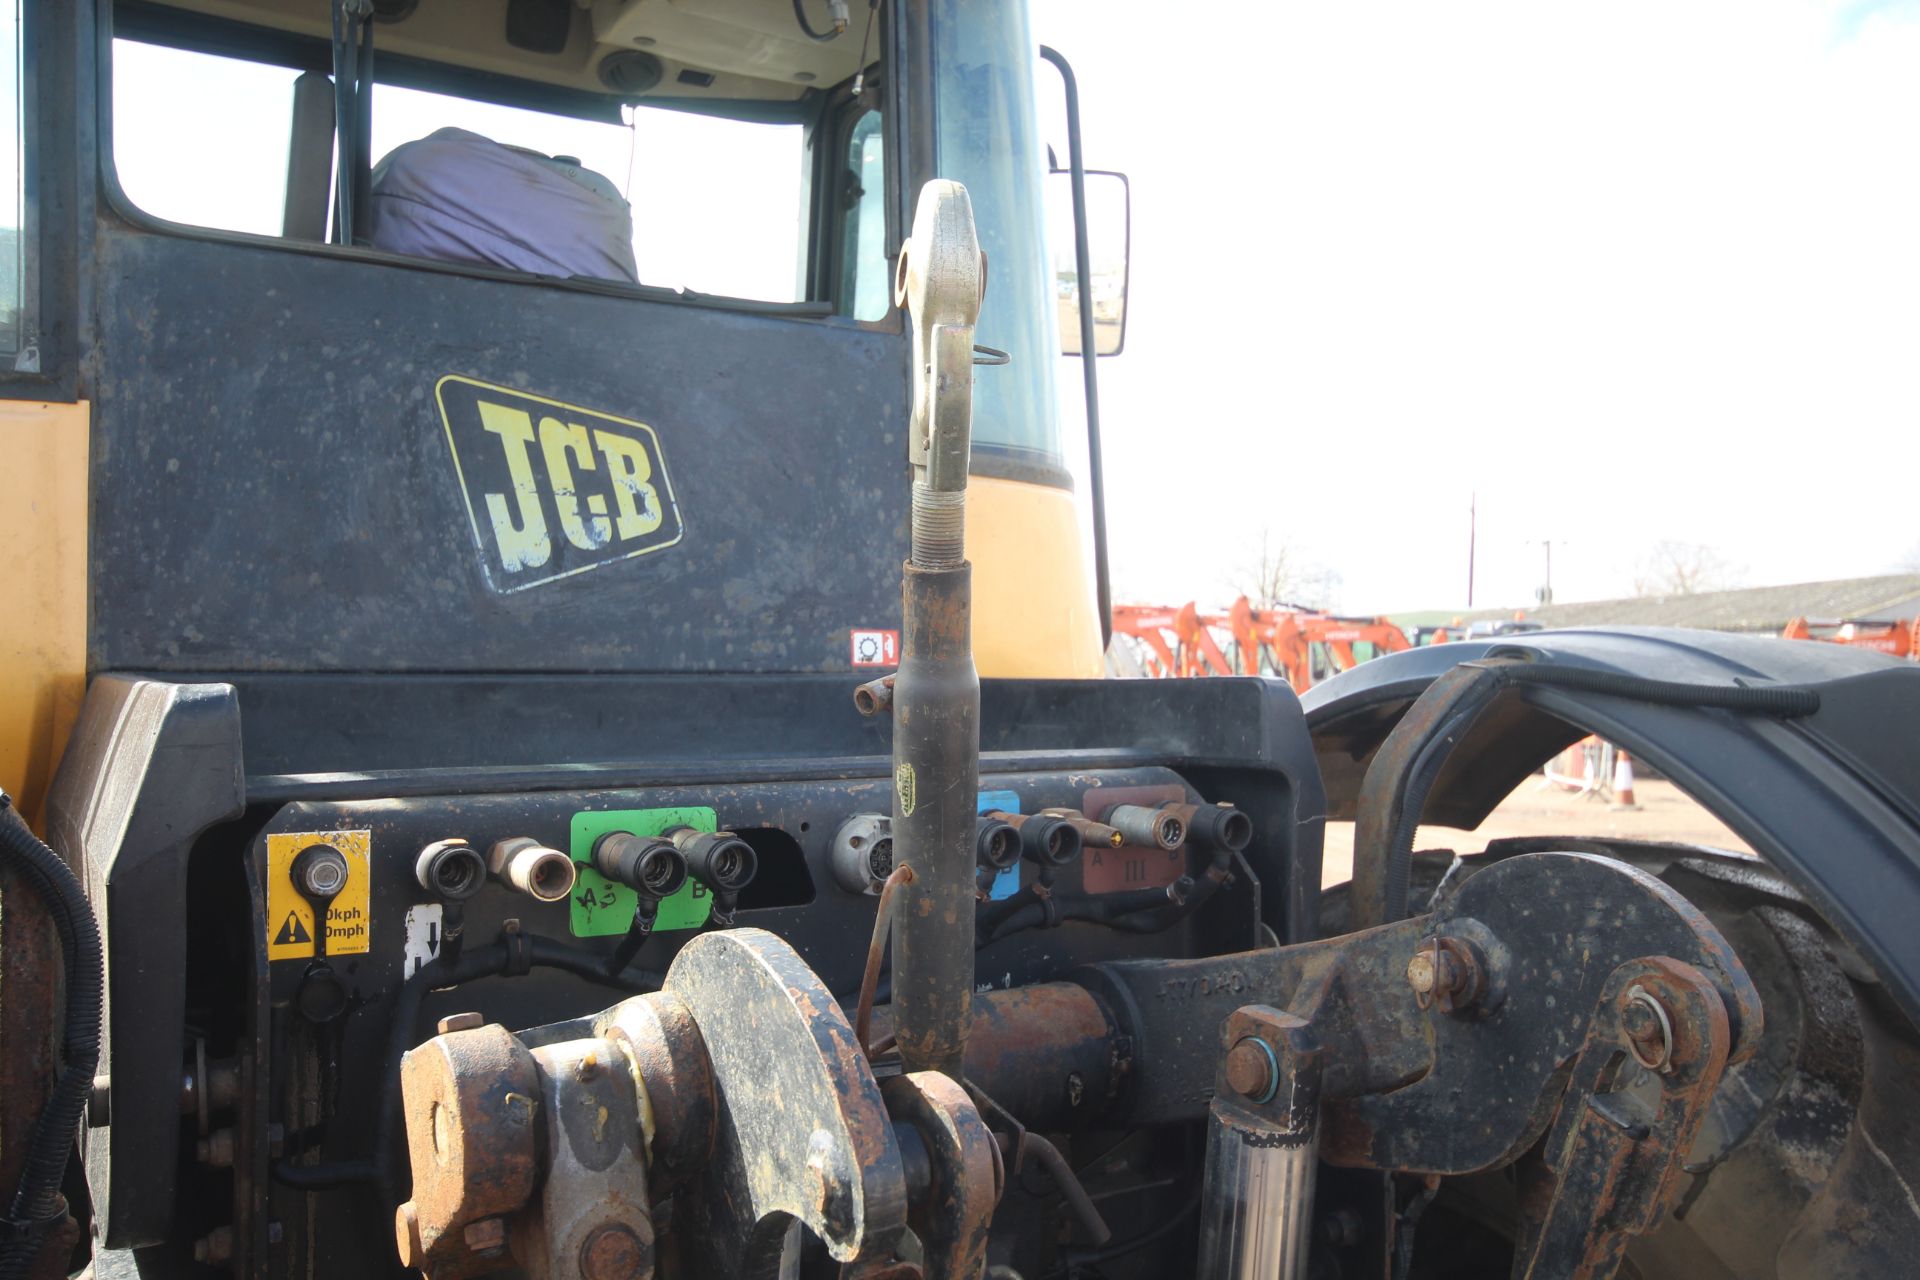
point(216, 1149)
point(215, 1248)
point(487, 1237)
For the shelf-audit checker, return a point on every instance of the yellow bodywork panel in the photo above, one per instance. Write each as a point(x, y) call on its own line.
point(1033, 603)
point(43, 579)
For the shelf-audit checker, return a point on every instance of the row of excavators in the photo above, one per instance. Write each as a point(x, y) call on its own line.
point(1306, 646)
point(1302, 645)
point(1897, 637)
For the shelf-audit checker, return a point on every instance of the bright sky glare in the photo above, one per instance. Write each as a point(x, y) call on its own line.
point(1626, 272)
point(1630, 271)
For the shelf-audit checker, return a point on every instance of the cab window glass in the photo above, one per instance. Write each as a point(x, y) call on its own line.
point(866, 283)
point(718, 205)
point(13, 319)
point(200, 139)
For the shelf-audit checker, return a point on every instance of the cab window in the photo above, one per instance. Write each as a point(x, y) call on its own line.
point(867, 283)
point(707, 196)
point(13, 294)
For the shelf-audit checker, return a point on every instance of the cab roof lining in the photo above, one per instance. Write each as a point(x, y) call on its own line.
point(463, 48)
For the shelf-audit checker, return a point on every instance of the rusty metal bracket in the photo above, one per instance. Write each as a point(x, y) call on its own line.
point(1615, 1160)
point(472, 1103)
point(804, 1132)
point(590, 1220)
point(952, 1216)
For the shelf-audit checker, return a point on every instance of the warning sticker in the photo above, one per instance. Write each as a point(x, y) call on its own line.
point(290, 926)
point(424, 920)
point(876, 648)
point(602, 908)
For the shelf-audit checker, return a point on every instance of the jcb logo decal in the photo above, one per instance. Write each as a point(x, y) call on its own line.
point(553, 489)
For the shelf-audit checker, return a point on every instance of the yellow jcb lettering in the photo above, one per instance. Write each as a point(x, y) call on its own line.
point(632, 491)
point(557, 439)
point(524, 545)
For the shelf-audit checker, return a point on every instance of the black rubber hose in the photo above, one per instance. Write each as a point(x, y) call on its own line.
point(806, 28)
point(1394, 793)
point(1783, 701)
point(1132, 911)
point(636, 937)
point(37, 1203)
point(1078, 1259)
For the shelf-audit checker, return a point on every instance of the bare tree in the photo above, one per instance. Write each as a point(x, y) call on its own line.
point(1281, 576)
point(1682, 569)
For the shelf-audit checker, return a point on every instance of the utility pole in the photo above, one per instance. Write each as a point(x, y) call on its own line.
point(1473, 522)
point(1545, 594)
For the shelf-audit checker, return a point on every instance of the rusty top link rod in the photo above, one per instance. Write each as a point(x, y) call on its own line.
point(936, 692)
point(940, 280)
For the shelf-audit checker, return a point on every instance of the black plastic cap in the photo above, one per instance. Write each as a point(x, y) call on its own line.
point(995, 843)
point(723, 861)
point(649, 865)
point(1051, 842)
point(450, 870)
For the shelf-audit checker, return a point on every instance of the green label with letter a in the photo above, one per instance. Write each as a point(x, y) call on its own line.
point(602, 908)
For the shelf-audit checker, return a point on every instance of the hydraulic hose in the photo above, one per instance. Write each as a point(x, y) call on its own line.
point(37, 1204)
point(1132, 910)
point(1401, 777)
point(834, 28)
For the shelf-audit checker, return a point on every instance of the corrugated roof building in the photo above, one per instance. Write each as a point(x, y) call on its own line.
point(1765, 609)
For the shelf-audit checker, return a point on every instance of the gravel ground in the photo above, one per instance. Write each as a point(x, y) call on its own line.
point(1665, 813)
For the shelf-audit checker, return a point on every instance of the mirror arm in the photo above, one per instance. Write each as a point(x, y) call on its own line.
point(1089, 362)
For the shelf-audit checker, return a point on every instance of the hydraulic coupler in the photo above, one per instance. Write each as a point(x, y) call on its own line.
point(936, 695)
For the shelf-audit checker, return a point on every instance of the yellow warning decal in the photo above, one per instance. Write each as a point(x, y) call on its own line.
point(290, 915)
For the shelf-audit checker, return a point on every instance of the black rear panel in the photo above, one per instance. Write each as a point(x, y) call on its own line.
point(274, 486)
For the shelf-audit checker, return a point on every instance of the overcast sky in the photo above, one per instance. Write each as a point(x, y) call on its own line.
point(1629, 271)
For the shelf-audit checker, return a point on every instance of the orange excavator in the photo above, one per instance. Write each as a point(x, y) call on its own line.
point(1897, 636)
point(1294, 643)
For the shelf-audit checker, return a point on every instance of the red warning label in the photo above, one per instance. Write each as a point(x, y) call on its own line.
point(876, 648)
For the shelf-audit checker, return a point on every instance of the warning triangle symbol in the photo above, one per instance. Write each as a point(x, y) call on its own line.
point(292, 932)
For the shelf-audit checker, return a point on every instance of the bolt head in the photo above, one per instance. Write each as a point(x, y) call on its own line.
point(1639, 1021)
point(1648, 1030)
point(1249, 1069)
point(461, 1022)
point(613, 1253)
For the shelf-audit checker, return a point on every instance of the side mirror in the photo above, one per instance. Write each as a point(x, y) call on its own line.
point(1109, 234)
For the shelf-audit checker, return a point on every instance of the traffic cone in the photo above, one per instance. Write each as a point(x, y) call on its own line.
point(1622, 782)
